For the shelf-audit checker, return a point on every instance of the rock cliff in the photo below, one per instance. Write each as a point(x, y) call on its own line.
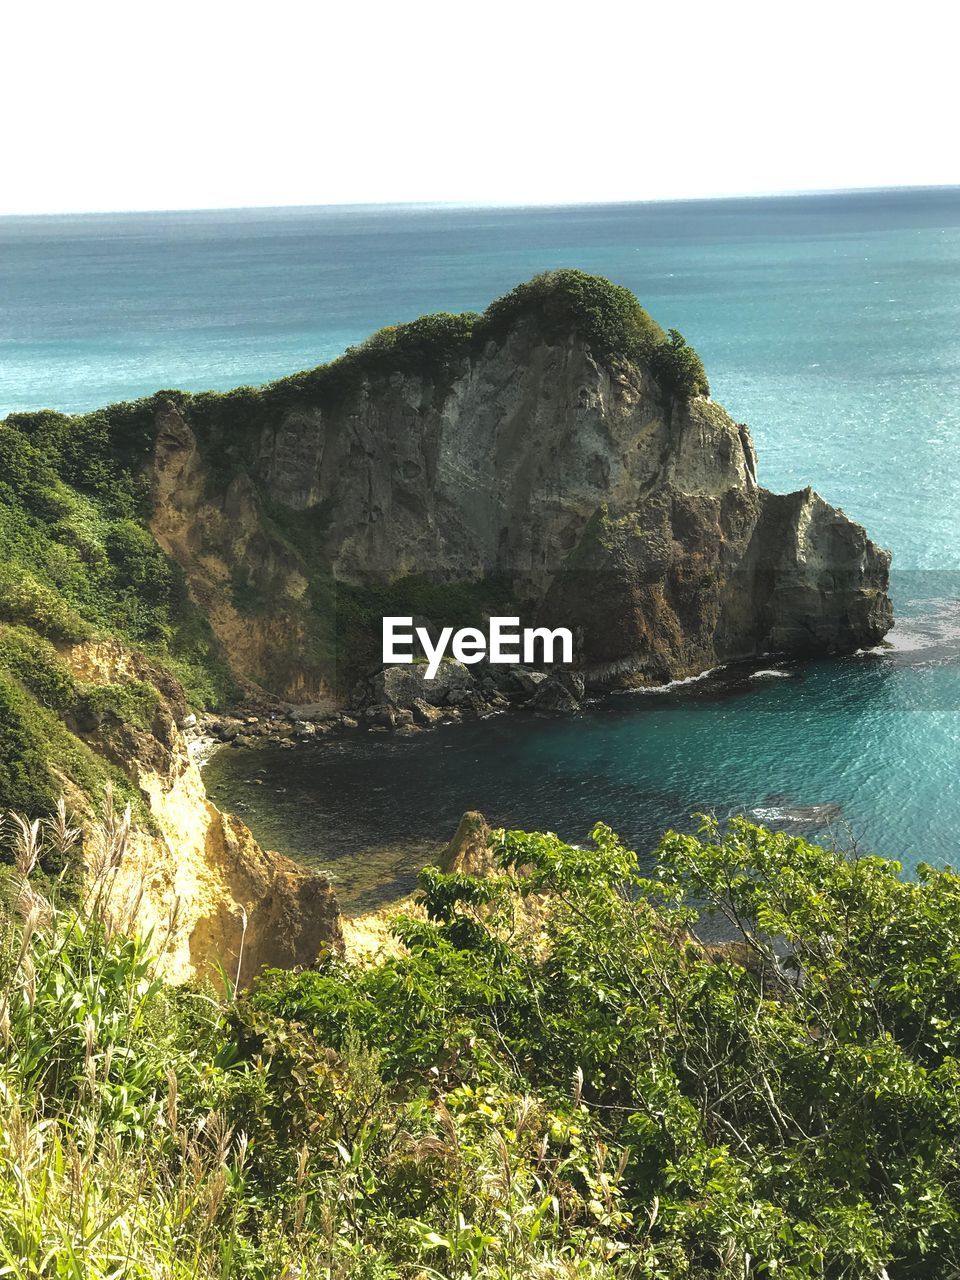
point(582, 481)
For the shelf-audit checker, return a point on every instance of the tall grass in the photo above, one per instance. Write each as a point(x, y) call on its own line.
point(98, 1175)
point(157, 1133)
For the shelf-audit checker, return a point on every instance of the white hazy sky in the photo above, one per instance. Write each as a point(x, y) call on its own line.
point(202, 104)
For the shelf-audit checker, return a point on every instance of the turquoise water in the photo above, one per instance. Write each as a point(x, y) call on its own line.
point(862, 751)
point(830, 323)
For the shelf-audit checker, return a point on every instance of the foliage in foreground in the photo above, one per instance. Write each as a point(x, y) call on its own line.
point(554, 1078)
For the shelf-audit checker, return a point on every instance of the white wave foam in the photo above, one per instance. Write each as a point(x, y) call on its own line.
point(797, 814)
point(200, 750)
point(675, 684)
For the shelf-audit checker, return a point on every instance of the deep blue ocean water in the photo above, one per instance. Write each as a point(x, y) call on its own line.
point(830, 323)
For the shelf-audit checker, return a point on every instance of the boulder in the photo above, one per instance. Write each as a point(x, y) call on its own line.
point(528, 680)
point(562, 692)
point(425, 714)
point(402, 686)
point(468, 852)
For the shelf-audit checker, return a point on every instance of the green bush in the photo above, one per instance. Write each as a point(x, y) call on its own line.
point(607, 316)
point(678, 368)
point(790, 1098)
point(553, 1078)
point(38, 751)
point(26, 781)
point(37, 665)
point(134, 702)
point(25, 600)
point(76, 557)
point(421, 347)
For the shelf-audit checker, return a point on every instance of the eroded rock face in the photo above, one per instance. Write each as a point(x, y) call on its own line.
point(817, 582)
point(249, 582)
point(687, 581)
point(499, 469)
point(210, 895)
point(469, 851)
point(609, 506)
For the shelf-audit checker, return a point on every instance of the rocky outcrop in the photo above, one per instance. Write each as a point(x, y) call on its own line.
point(210, 896)
point(561, 693)
point(690, 580)
point(556, 459)
point(606, 502)
point(468, 853)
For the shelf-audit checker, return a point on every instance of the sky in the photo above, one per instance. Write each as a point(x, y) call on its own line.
point(111, 105)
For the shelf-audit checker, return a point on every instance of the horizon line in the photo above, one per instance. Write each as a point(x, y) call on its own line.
point(467, 205)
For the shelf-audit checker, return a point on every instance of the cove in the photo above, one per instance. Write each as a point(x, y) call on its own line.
point(860, 751)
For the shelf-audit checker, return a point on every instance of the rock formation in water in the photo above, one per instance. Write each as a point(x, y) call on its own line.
point(573, 472)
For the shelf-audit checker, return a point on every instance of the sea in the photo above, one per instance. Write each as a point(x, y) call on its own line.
point(829, 322)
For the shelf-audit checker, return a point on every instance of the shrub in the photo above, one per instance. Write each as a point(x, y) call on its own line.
point(605, 315)
point(76, 557)
point(428, 344)
point(134, 702)
point(37, 665)
point(678, 368)
point(554, 1077)
point(788, 1098)
point(25, 600)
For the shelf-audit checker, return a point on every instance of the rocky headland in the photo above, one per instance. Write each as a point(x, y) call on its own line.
point(221, 563)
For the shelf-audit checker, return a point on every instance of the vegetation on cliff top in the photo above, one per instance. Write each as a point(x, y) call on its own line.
point(558, 303)
point(554, 1078)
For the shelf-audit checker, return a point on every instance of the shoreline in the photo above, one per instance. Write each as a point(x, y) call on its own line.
point(247, 727)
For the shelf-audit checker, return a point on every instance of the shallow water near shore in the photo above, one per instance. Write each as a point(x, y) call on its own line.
point(861, 751)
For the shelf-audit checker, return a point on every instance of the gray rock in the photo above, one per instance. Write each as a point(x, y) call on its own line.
point(528, 680)
point(561, 693)
point(402, 686)
point(425, 714)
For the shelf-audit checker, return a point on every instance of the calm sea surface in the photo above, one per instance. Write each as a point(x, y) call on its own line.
point(830, 323)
